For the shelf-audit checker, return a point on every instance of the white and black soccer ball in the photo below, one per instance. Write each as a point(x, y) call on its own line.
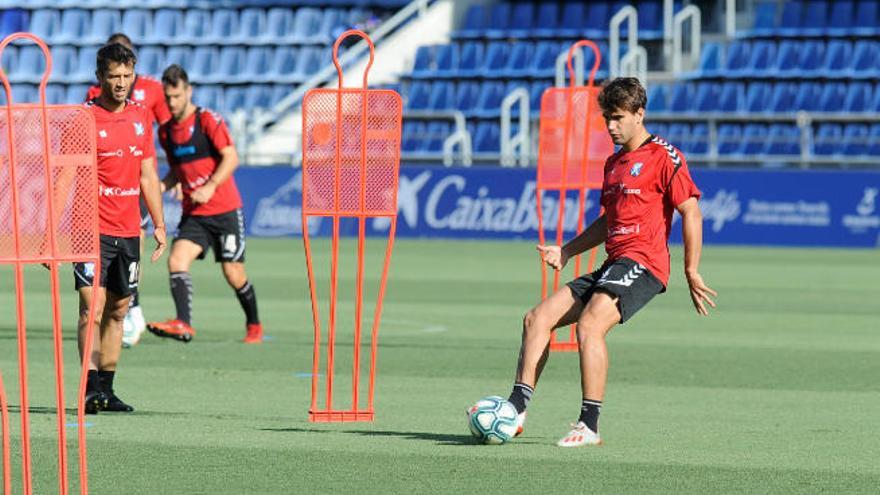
point(492, 420)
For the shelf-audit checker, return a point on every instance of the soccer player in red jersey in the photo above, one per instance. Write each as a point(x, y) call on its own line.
point(645, 182)
point(126, 171)
point(202, 159)
point(148, 92)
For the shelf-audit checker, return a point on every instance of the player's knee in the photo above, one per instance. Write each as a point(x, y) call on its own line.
point(235, 274)
point(589, 331)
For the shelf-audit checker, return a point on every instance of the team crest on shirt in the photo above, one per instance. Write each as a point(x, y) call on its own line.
point(636, 169)
point(139, 94)
point(138, 129)
point(102, 133)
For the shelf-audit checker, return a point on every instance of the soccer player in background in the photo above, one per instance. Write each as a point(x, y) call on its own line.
point(126, 170)
point(644, 183)
point(148, 92)
point(202, 157)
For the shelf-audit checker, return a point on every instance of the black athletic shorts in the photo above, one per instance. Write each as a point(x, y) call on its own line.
point(223, 232)
point(632, 283)
point(120, 257)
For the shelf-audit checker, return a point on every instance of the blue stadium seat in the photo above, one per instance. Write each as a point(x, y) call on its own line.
point(757, 96)
point(231, 62)
point(279, 92)
point(731, 97)
point(308, 63)
point(447, 57)
point(765, 18)
point(233, 99)
point(828, 140)
point(807, 96)
point(710, 60)
point(251, 25)
point(31, 64)
point(737, 57)
point(13, 21)
point(865, 60)
point(867, 21)
point(650, 14)
point(657, 100)
point(167, 26)
point(258, 96)
point(466, 94)
point(783, 139)
point(63, 58)
point(55, 94)
point(812, 56)
point(841, 20)
point(82, 70)
point(304, 24)
point(833, 96)
point(471, 60)
point(137, 24)
point(699, 141)
point(283, 66)
point(874, 140)
point(706, 97)
point(487, 139)
point(45, 23)
point(104, 23)
point(208, 96)
point(858, 97)
point(838, 58)
point(279, 24)
point(572, 22)
point(442, 96)
point(256, 64)
point(10, 60)
point(729, 139)
point(331, 25)
point(787, 60)
point(682, 98)
point(596, 19)
point(436, 133)
point(497, 55)
point(196, 26)
point(203, 63)
point(815, 18)
point(547, 20)
point(856, 139)
point(75, 93)
point(874, 106)
point(762, 57)
point(475, 23)
point(536, 92)
point(489, 100)
point(180, 55)
point(417, 97)
point(518, 62)
point(224, 25)
point(678, 134)
point(783, 97)
point(543, 63)
point(413, 130)
point(753, 140)
point(21, 93)
point(791, 19)
point(499, 20)
point(74, 26)
point(151, 60)
point(522, 20)
point(657, 129)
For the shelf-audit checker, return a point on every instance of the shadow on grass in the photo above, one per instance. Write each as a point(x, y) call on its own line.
point(437, 438)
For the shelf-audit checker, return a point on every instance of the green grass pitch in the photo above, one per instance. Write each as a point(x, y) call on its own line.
point(778, 391)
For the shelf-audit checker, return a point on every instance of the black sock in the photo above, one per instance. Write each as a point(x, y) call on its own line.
point(135, 299)
point(590, 413)
point(248, 299)
point(181, 292)
point(92, 382)
point(105, 378)
point(520, 396)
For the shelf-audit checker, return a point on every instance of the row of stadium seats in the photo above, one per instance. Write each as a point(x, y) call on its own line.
point(205, 64)
point(856, 97)
point(428, 137)
point(249, 26)
point(497, 59)
point(202, 4)
point(226, 100)
point(800, 18)
point(475, 99)
point(800, 59)
point(570, 19)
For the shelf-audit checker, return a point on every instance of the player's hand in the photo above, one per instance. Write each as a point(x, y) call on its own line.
point(203, 194)
point(700, 293)
point(553, 256)
point(178, 191)
point(159, 235)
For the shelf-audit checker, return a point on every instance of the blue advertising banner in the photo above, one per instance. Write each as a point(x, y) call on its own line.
point(782, 208)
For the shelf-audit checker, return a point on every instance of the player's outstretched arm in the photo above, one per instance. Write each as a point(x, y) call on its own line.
point(228, 164)
point(692, 232)
point(592, 236)
point(152, 194)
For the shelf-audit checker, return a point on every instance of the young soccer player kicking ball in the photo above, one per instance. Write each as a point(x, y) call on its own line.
point(202, 158)
point(645, 182)
point(126, 170)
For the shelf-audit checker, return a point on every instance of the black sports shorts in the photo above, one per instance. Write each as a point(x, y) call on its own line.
point(631, 282)
point(224, 232)
point(120, 257)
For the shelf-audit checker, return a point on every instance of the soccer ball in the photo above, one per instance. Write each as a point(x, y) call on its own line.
point(492, 420)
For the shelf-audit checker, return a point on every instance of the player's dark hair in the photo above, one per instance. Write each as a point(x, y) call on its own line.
point(114, 53)
point(173, 75)
point(122, 39)
point(624, 93)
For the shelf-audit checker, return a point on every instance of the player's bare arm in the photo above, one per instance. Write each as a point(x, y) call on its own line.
point(592, 236)
point(228, 164)
point(150, 189)
point(692, 232)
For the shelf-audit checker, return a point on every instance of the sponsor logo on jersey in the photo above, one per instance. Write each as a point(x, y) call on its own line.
point(180, 151)
point(118, 152)
point(636, 169)
point(135, 151)
point(138, 129)
point(119, 191)
point(102, 133)
point(139, 95)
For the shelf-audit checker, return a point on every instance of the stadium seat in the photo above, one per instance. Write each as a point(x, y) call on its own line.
point(487, 138)
point(573, 20)
point(765, 18)
point(75, 93)
point(10, 60)
point(137, 24)
point(151, 60)
point(282, 69)
point(196, 26)
point(13, 20)
point(256, 64)
point(442, 96)
point(203, 63)
point(757, 96)
point(874, 140)
point(833, 96)
point(710, 60)
point(536, 92)
point(412, 131)
point(417, 97)
point(308, 63)
point(729, 139)
point(597, 18)
point(807, 97)
point(682, 98)
point(489, 100)
point(547, 20)
point(791, 19)
point(224, 25)
point(251, 25)
point(706, 97)
point(856, 139)
point(753, 140)
point(21, 93)
point(475, 23)
point(306, 24)
point(233, 99)
point(471, 60)
point(657, 129)
point(497, 55)
point(30, 66)
point(208, 96)
point(423, 65)
point(650, 15)
point(167, 25)
point(543, 63)
point(838, 58)
point(82, 70)
point(279, 24)
point(180, 55)
point(840, 20)
point(447, 57)
point(63, 58)
point(45, 23)
point(736, 59)
point(828, 139)
point(281, 91)
point(55, 94)
point(104, 22)
point(678, 134)
point(858, 97)
point(812, 56)
point(436, 133)
point(782, 99)
point(699, 141)
point(815, 18)
point(522, 20)
point(657, 98)
point(787, 59)
point(865, 60)
point(258, 96)
point(73, 27)
point(731, 97)
point(517, 64)
point(867, 20)
point(761, 58)
point(499, 20)
point(231, 63)
point(783, 139)
point(874, 105)
point(466, 94)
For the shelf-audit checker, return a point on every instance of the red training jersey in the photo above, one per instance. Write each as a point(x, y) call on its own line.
point(639, 193)
point(146, 91)
point(192, 147)
point(124, 140)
